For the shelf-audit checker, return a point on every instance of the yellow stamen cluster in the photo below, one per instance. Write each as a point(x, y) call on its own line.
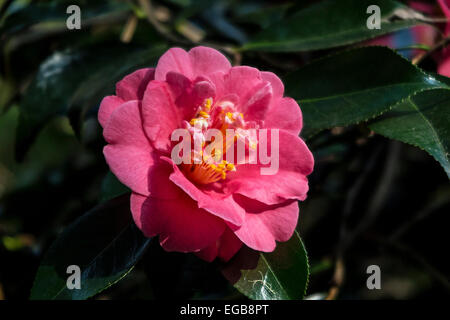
point(205, 173)
point(203, 114)
point(212, 168)
point(231, 117)
point(223, 168)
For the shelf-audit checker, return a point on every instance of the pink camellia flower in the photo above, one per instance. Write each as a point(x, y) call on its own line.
point(207, 208)
point(444, 58)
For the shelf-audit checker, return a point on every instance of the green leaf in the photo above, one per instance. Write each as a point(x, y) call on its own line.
point(112, 187)
point(279, 275)
point(105, 243)
point(331, 23)
point(422, 120)
point(354, 86)
point(261, 16)
point(55, 12)
point(75, 80)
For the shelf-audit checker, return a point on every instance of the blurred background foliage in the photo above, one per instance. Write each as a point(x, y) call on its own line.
point(372, 200)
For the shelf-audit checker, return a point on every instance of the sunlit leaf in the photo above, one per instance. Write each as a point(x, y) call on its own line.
point(279, 275)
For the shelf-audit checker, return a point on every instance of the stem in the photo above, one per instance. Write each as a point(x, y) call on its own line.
point(129, 29)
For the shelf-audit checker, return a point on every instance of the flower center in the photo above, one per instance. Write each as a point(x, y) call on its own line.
point(207, 163)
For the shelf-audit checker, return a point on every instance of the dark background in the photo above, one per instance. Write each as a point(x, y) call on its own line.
point(372, 200)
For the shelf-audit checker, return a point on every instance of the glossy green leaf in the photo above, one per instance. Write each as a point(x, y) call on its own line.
point(263, 16)
point(422, 120)
point(55, 12)
point(74, 81)
point(279, 275)
point(353, 86)
point(105, 243)
point(331, 23)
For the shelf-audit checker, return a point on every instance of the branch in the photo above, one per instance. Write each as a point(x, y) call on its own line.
point(383, 189)
point(375, 206)
point(418, 217)
point(435, 273)
point(129, 29)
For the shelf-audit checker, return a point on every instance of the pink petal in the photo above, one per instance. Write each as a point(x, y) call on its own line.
point(128, 154)
point(160, 114)
point(188, 103)
point(276, 83)
point(444, 63)
point(202, 90)
point(178, 83)
point(224, 248)
point(136, 203)
point(176, 60)
point(258, 103)
point(180, 224)
point(159, 184)
point(255, 94)
point(290, 182)
point(218, 79)
point(220, 205)
point(107, 106)
point(284, 113)
point(188, 95)
point(241, 81)
point(181, 88)
point(229, 245)
point(207, 60)
point(209, 253)
point(428, 8)
point(444, 4)
point(445, 7)
point(132, 87)
point(199, 61)
point(444, 68)
point(264, 224)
